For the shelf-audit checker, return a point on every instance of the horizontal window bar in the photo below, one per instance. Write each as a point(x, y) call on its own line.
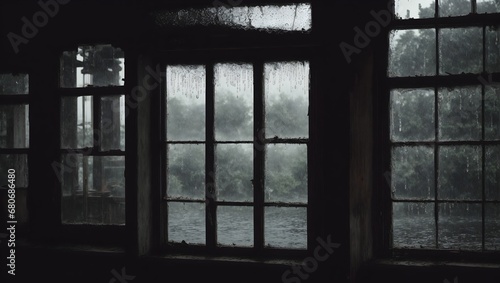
point(93, 152)
point(444, 143)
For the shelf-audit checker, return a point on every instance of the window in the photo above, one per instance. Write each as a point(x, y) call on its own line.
point(92, 136)
point(236, 154)
point(444, 126)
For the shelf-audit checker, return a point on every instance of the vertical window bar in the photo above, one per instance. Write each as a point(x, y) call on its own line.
point(163, 181)
point(259, 155)
point(211, 217)
point(436, 163)
point(473, 6)
point(483, 147)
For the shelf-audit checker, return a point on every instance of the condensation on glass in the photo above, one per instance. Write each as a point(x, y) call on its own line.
point(488, 6)
point(454, 8)
point(460, 226)
point(93, 66)
point(415, 9)
point(234, 172)
point(413, 225)
point(492, 226)
point(492, 49)
point(492, 172)
point(186, 171)
point(291, 17)
point(14, 126)
point(11, 84)
point(235, 226)
point(460, 50)
point(186, 223)
point(18, 162)
point(285, 227)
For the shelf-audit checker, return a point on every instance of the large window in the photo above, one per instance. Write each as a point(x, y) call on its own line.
point(445, 125)
point(236, 154)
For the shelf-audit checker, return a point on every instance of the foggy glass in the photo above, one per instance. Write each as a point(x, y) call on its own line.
point(452, 8)
point(285, 227)
point(233, 102)
point(186, 90)
point(412, 172)
point(186, 222)
point(92, 66)
point(93, 189)
point(287, 99)
point(112, 134)
point(413, 225)
point(234, 172)
point(14, 126)
point(286, 173)
point(460, 50)
point(492, 226)
point(460, 113)
point(292, 17)
point(412, 115)
point(412, 53)
point(186, 171)
point(14, 84)
point(488, 6)
point(77, 126)
point(459, 176)
point(492, 172)
point(460, 226)
point(492, 113)
point(235, 226)
point(414, 9)
point(492, 49)
point(18, 162)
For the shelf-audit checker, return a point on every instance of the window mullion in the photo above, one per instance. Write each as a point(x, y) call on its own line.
point(259, 155)
point(211, 209)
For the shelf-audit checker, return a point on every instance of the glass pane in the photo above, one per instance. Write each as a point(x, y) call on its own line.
point(450, 8)
point(488, 6)
point(460, 50)
point(186, 88)
point(492, 227)
point(98, 66)
point(235, 226)
point(14, 126)
point(492, 50)
point(186, 171)
point(285, 227)
point(77, 127)
point(186, 222)
point(413, 225)
point(93, 189)
point(233, 102)
point(492, 113)
point(18, 162)
point(287, 99)
point(460, 113)
point(112, 135)
point(412, 115)
point(293, 17)
point(460, 226)
point(413, 172)
point(286, 173)
point(459, 176)
point(14, 84)
point(412, 53)
point(234, 173)
point(415, 9)
point(492, 172)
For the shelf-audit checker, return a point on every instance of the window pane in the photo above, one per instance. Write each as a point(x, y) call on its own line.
point(412, 115)
point(450, 8)
point(492, 172)
point(460, 226)
point(411, 9)
point(18, 162)
point(492, 227)
point(77, 126)
point(287, 99)
point(235, 226)
point(460, 113)
point(186, 171)
point(413, 225)
point(14, 126)
point(99, 66)
point(186, 222)
point(488, 6)
point(459, 173)
point(286, 173)
point(492, 49)
point(412, 53)
point(234, 173)
point(285, 227)
point(413, 172)
point(233, 102)
point(112, 135)
point(460, 50)
point(14, 84)
point(186, 88)
point(492, 113)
